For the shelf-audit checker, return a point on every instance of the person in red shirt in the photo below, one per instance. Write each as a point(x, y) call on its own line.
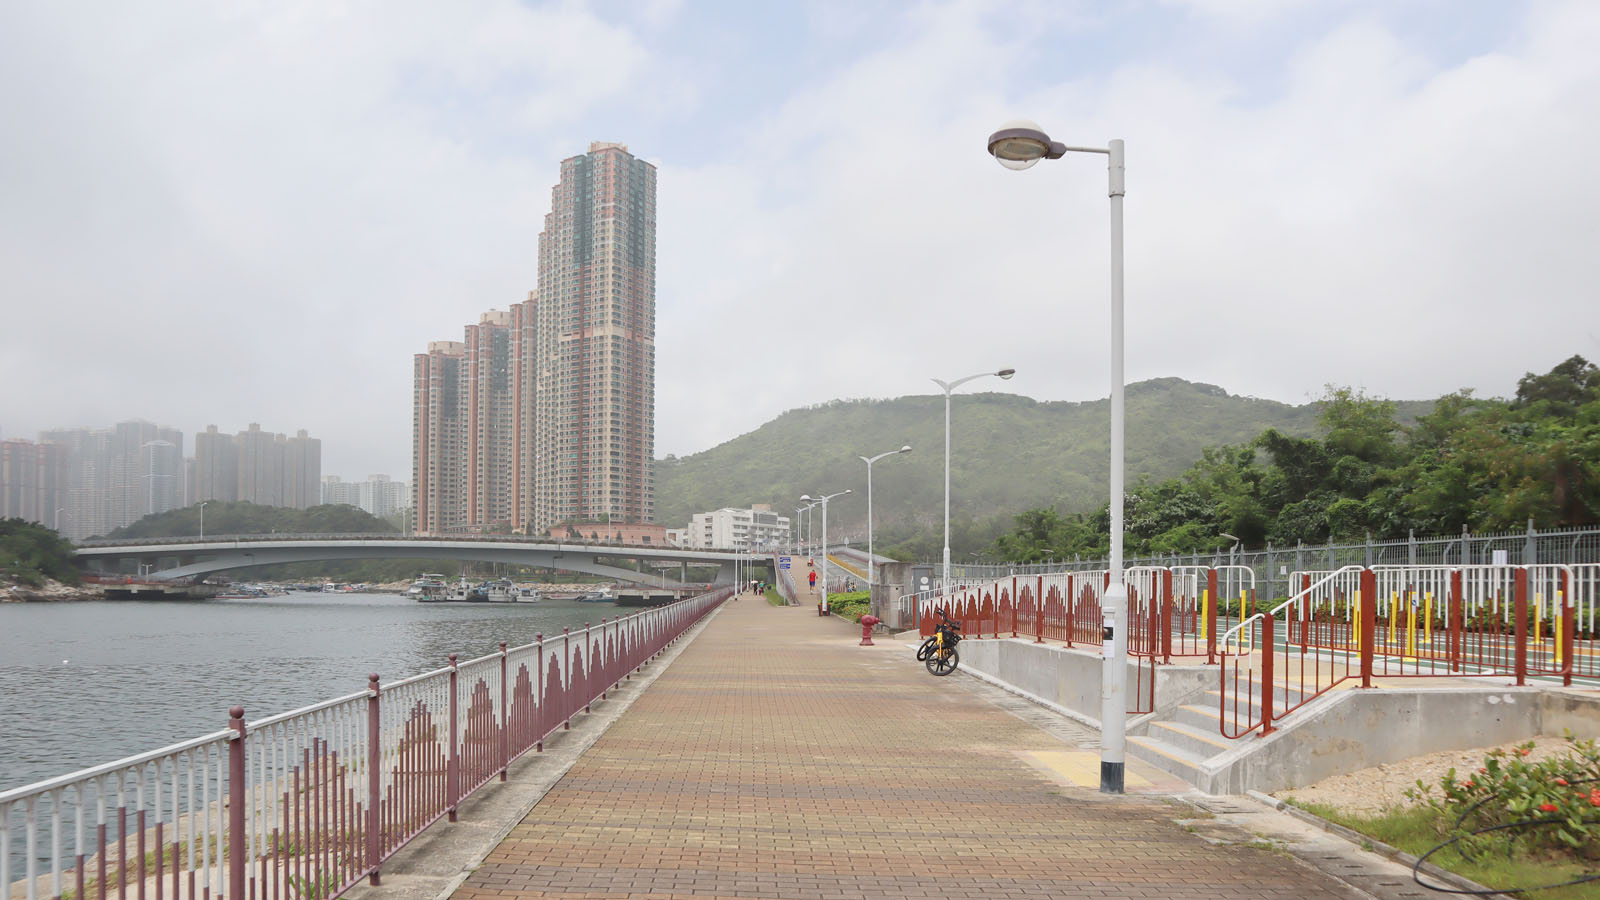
point(813, 582)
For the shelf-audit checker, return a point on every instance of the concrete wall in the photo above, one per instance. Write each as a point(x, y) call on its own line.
point(1068, 679)
point(1339, 733)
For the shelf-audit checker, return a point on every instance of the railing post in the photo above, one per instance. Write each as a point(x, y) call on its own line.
point(452, 774)
point(1211, 615)
point(236, 804)
point(1455, 613)
point(1569, 620)
point(1369, 622)
point(1267, 688)
point(539, 717)
point(1519, 610)
point(1038, 613)
point(374, 782)
point(505, 718)
point(1166, 616)
point(1014, 605)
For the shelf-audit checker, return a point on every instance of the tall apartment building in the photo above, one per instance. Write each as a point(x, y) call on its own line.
point(438, 445)
point(118, 475)
point(378, 495)
point(33, 483)
point(258, 466)
point(594, 343)
point(546, 413)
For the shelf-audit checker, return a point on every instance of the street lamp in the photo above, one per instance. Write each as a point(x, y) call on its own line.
point(57, 526)
point(1018, 145)
point(203, 519)
point(947, 387)
point(872, 560)
point(823, 501)
point(797, 533)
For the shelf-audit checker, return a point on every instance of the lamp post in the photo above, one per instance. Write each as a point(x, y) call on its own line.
point(823, 501)
point(203, 519)
point(797, 530)
point(947, 387)
point(1018, 145)
point(57, 526)
point(872, 578)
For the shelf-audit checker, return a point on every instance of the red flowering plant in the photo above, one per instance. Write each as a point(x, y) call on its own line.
point(1552, 805)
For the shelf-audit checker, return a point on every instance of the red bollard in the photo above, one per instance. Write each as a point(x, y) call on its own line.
point(866, 629)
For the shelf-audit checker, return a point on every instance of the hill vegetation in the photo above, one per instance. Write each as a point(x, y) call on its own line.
point(31, 553)
point(1008, 454)
point(1485, 464)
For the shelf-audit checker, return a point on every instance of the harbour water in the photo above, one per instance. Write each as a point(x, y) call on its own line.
point(88, 683)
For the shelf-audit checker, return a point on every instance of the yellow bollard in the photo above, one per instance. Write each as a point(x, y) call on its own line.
point(1393, 636)
point(1205, 610)
point(1411, 627)
point(1427, 618)
point(1244, 606)
point(1560, 622)
point(1538, 617)
point(1355, 621)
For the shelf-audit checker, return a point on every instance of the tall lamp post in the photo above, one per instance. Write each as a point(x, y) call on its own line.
point(948, 387)
point(872, 578)
point(203, 519)
point(823, 501)
point(1018, 145)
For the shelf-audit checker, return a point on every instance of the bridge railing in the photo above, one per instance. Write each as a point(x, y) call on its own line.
point(310, 802)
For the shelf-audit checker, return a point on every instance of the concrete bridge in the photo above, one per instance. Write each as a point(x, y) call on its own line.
point(194, 557)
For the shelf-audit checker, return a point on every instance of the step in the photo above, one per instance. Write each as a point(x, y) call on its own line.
point(1202, 742)
point(1281, 700)
point(1198, 716)
point(1167, 757)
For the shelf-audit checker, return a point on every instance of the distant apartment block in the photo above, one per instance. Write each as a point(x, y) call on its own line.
point(118, 475)
point(33, 482)
point(259, 467)
point(754, 529)
point(544, 415)
point(378, 495)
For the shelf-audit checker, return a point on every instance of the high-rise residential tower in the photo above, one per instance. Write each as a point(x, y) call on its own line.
point(438, 445)
point(594, 343)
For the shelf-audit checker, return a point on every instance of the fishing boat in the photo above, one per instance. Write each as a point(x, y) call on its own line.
point(430, 588)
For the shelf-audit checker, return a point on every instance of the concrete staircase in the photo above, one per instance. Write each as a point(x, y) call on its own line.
point(1188, 738)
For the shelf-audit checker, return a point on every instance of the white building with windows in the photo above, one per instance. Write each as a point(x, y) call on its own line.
point(757, 529)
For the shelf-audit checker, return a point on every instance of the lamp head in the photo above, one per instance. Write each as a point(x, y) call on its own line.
point(1228, 536)
point(905, 449)
point(1005, 374)
point(1020, 143)
point(805, 498)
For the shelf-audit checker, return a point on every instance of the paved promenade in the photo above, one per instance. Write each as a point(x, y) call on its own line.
point(776, 758)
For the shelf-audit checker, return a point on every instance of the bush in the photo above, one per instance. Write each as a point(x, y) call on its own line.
point(851, 606)
point(1510, 804)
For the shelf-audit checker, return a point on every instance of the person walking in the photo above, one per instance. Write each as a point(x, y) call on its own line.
point(813, 577)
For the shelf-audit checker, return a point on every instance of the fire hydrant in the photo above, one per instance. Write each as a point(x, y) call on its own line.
point(866, 629)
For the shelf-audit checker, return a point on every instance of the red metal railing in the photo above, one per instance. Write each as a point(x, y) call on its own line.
point(310, 802)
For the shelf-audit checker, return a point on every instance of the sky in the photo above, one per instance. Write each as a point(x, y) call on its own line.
point(222, 212)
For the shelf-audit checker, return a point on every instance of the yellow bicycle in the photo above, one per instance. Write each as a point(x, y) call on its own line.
point(938, 652)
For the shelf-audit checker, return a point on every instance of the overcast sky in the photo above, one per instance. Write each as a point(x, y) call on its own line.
point(224, 213)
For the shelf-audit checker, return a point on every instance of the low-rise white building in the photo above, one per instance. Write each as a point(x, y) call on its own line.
point(757, 529)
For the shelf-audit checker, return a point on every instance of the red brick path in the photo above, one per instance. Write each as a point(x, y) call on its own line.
point(777, 759)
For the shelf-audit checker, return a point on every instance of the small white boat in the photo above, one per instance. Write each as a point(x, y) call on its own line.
point(430, 588)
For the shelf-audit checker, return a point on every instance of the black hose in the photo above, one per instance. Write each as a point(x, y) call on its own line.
point(1416, 868)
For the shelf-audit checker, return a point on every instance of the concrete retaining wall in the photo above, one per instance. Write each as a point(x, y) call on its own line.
point(1068, 679)
point(1338, 733)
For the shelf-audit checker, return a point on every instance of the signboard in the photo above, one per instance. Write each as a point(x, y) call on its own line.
point(783, 562)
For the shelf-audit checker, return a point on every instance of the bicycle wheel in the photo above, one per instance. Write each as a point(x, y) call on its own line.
point(943, 661)
point(925, 650)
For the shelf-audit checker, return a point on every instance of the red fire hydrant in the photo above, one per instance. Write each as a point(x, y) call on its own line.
point(866, 629)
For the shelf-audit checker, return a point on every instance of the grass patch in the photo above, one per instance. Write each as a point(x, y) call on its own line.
point(1416, 830)
point(774, 598)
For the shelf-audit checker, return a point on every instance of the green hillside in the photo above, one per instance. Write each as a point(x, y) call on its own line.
point(1009, 453)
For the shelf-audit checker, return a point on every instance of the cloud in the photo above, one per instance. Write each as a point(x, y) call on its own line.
point(236, 213)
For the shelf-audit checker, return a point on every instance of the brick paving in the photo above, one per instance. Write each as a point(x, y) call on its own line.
point(776, 758)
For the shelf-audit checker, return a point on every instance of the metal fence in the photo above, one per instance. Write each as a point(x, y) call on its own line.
point(310, 802)
point(1273, 565)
